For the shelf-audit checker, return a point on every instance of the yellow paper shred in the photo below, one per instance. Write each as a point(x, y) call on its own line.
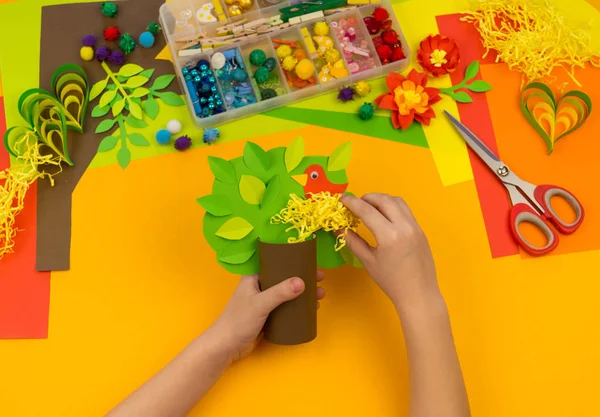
point(323, 211)
point(531, 37)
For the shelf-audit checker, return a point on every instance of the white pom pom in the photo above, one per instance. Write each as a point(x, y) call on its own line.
point(174, 126)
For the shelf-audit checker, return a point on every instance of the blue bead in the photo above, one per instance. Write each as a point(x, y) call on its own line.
point(212, 80)
point(239, 74)
point(205, 112)
point(201, 63)
point(185, 71)
point(197, 79)
point(203, 67)
point(203, 100)
point(214, 89)
point(188, 78)
point(203, 74)
point(194, 72)
point(219, 102)
point(211, 105)
point(211, 99)
point(163, 136)
point(205, 88)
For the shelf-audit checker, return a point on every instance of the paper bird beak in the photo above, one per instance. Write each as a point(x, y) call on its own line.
point(301, 179)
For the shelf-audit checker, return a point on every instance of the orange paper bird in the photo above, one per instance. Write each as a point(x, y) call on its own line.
point(314, 180)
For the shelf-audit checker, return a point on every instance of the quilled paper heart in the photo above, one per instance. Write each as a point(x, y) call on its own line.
point(552, 118)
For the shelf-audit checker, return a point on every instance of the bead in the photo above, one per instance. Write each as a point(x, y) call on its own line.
point(305, 69)
point(197, 79)
point(321, 29)
point(203, 100)
point(267, 94)
point(218, 60)
point(289, 63)
point(204, 74)
point(205, 112)
point(194, 72)
point(201, 63)
point(234, 10)
point(239, 75)
point(261, 75)
point(211, 105)
point(214, 89)
point(246, 4)
point(258, 57)
point(185, 71)
point(203, 67)
point(270, 64)
point(229, 97)
point(212, 80)
point(219, 102)
point(147, 40)
point(174, 126)
point(163, 136)
point(283, 51)
point(210, 135)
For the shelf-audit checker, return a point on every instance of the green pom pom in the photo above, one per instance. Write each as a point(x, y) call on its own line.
point(109, 9)
point(261, 75)
point(153, 28)
point(127, 44)
point(366, 111)
point(257, 57)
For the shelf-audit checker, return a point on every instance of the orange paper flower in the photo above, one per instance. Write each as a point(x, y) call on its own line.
point(438, 55)
point(409, 99)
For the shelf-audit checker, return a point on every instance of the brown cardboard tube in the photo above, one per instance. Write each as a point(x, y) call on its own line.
point(295, 321)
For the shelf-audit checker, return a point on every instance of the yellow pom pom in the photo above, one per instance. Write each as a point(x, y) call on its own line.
point(332, 56)
point(289, 63)
point(321, 28)
point(305, 69)
point(362, 88)
point(283, 51)
point(86, 53)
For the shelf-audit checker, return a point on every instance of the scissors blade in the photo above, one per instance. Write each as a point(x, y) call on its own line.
point(477, 145)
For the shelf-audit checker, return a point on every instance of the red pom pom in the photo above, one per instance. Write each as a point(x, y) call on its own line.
point(386, 25)
point(377, 42)
point(385, 53)
point(373, 25)
point(398, 54)
point(380, 14)
point(112, 33)
point(389, 37)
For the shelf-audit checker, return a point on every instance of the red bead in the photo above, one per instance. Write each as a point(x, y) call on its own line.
point(385, 53)
point(373, 26)
point(389, 37)
point(380, 14)
point(112, 33)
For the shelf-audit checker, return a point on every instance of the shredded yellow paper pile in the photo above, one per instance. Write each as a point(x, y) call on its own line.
point(531, 37)
point(322, 211)
point(14, 183)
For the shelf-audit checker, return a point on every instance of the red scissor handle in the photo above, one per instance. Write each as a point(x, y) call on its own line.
point(543, 194)
point(523, 213)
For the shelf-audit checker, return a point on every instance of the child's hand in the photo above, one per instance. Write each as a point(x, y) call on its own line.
point(240, 324)
point(401, 264)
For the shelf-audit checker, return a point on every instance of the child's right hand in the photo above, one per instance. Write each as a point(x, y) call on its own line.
point(401, 264)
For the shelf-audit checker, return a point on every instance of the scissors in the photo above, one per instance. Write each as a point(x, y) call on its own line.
point(530, 203)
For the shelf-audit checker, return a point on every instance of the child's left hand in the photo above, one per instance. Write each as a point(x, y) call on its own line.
point(240, 324)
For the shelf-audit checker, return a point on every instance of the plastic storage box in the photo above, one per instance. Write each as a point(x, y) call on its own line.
point(181, 19)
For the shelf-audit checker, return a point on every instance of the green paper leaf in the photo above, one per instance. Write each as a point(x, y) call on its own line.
point(271, 193)
point(138, 139)
point(472, 70)
point(294, 154)
point(99, 111)
point(252, 189)
point(461, 97)
point(222, 170)
point(147, 73)
point(107, 144)
point(135, 109)
point(136, 81)
point(215, 204)
point(163, 81)
point(235, 229)
point(130, 70)
point(237, 253)
point(340, 157)
point(107, 97)
point(479, 86)
point(136, 123)
point(139, 92)
point(256, 158)
point(171, 98)
point(105, 125)
point(124, 157)
point(98, 88)
point(151, 108)
point(118, 107)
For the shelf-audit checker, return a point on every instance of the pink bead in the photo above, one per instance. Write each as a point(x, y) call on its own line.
point(363, 44)
point(352, 21)
point(353, 67)
point(343, 23)
point(351, 31)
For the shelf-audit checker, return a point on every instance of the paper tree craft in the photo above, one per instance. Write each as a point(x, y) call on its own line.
point(252, 188)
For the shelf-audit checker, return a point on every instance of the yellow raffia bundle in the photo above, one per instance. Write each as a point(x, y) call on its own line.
point(531, 37)
point(322, 211)
point(14, 183)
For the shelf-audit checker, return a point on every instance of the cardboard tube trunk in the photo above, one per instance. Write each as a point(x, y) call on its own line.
point(295, 321)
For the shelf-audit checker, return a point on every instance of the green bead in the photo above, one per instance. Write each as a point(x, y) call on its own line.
point(261, 75)
point(109, 9)
point(267, 94)
point(257, 57)
point(366, 111)
point(127, 44)
point(270, 64)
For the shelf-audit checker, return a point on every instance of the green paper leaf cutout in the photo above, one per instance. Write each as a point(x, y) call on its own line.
point(139, 92)
point(215, 204)
point(294, 154)
point(147, 73)
point(107, 144)
point(136, 81)
point(171, 98)
point(163, 81)
point(124, 157)
point(252, 189)
point(236, 228)
point(461, 97)
point(130, 70)
point(135, 109)
point(271, 193)
point(98, 88)
point(138, 139)
point(222, 170)
point(105, 125)
point(472, 70)
point(118, 107)
point(107, 97)
point(99, 111)
point(151, 108)
point(479, 86)
point(237, 253)
point(256, 158)
point(340, 158)
point(135, 122)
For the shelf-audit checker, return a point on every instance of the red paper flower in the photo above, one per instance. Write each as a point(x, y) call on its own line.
point(438, 55)
point(409, 99)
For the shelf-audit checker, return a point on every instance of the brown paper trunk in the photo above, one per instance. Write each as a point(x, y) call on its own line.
point(295, 321)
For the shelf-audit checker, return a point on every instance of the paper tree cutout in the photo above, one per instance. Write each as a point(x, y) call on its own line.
point(554, 119)
point(250, 189)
